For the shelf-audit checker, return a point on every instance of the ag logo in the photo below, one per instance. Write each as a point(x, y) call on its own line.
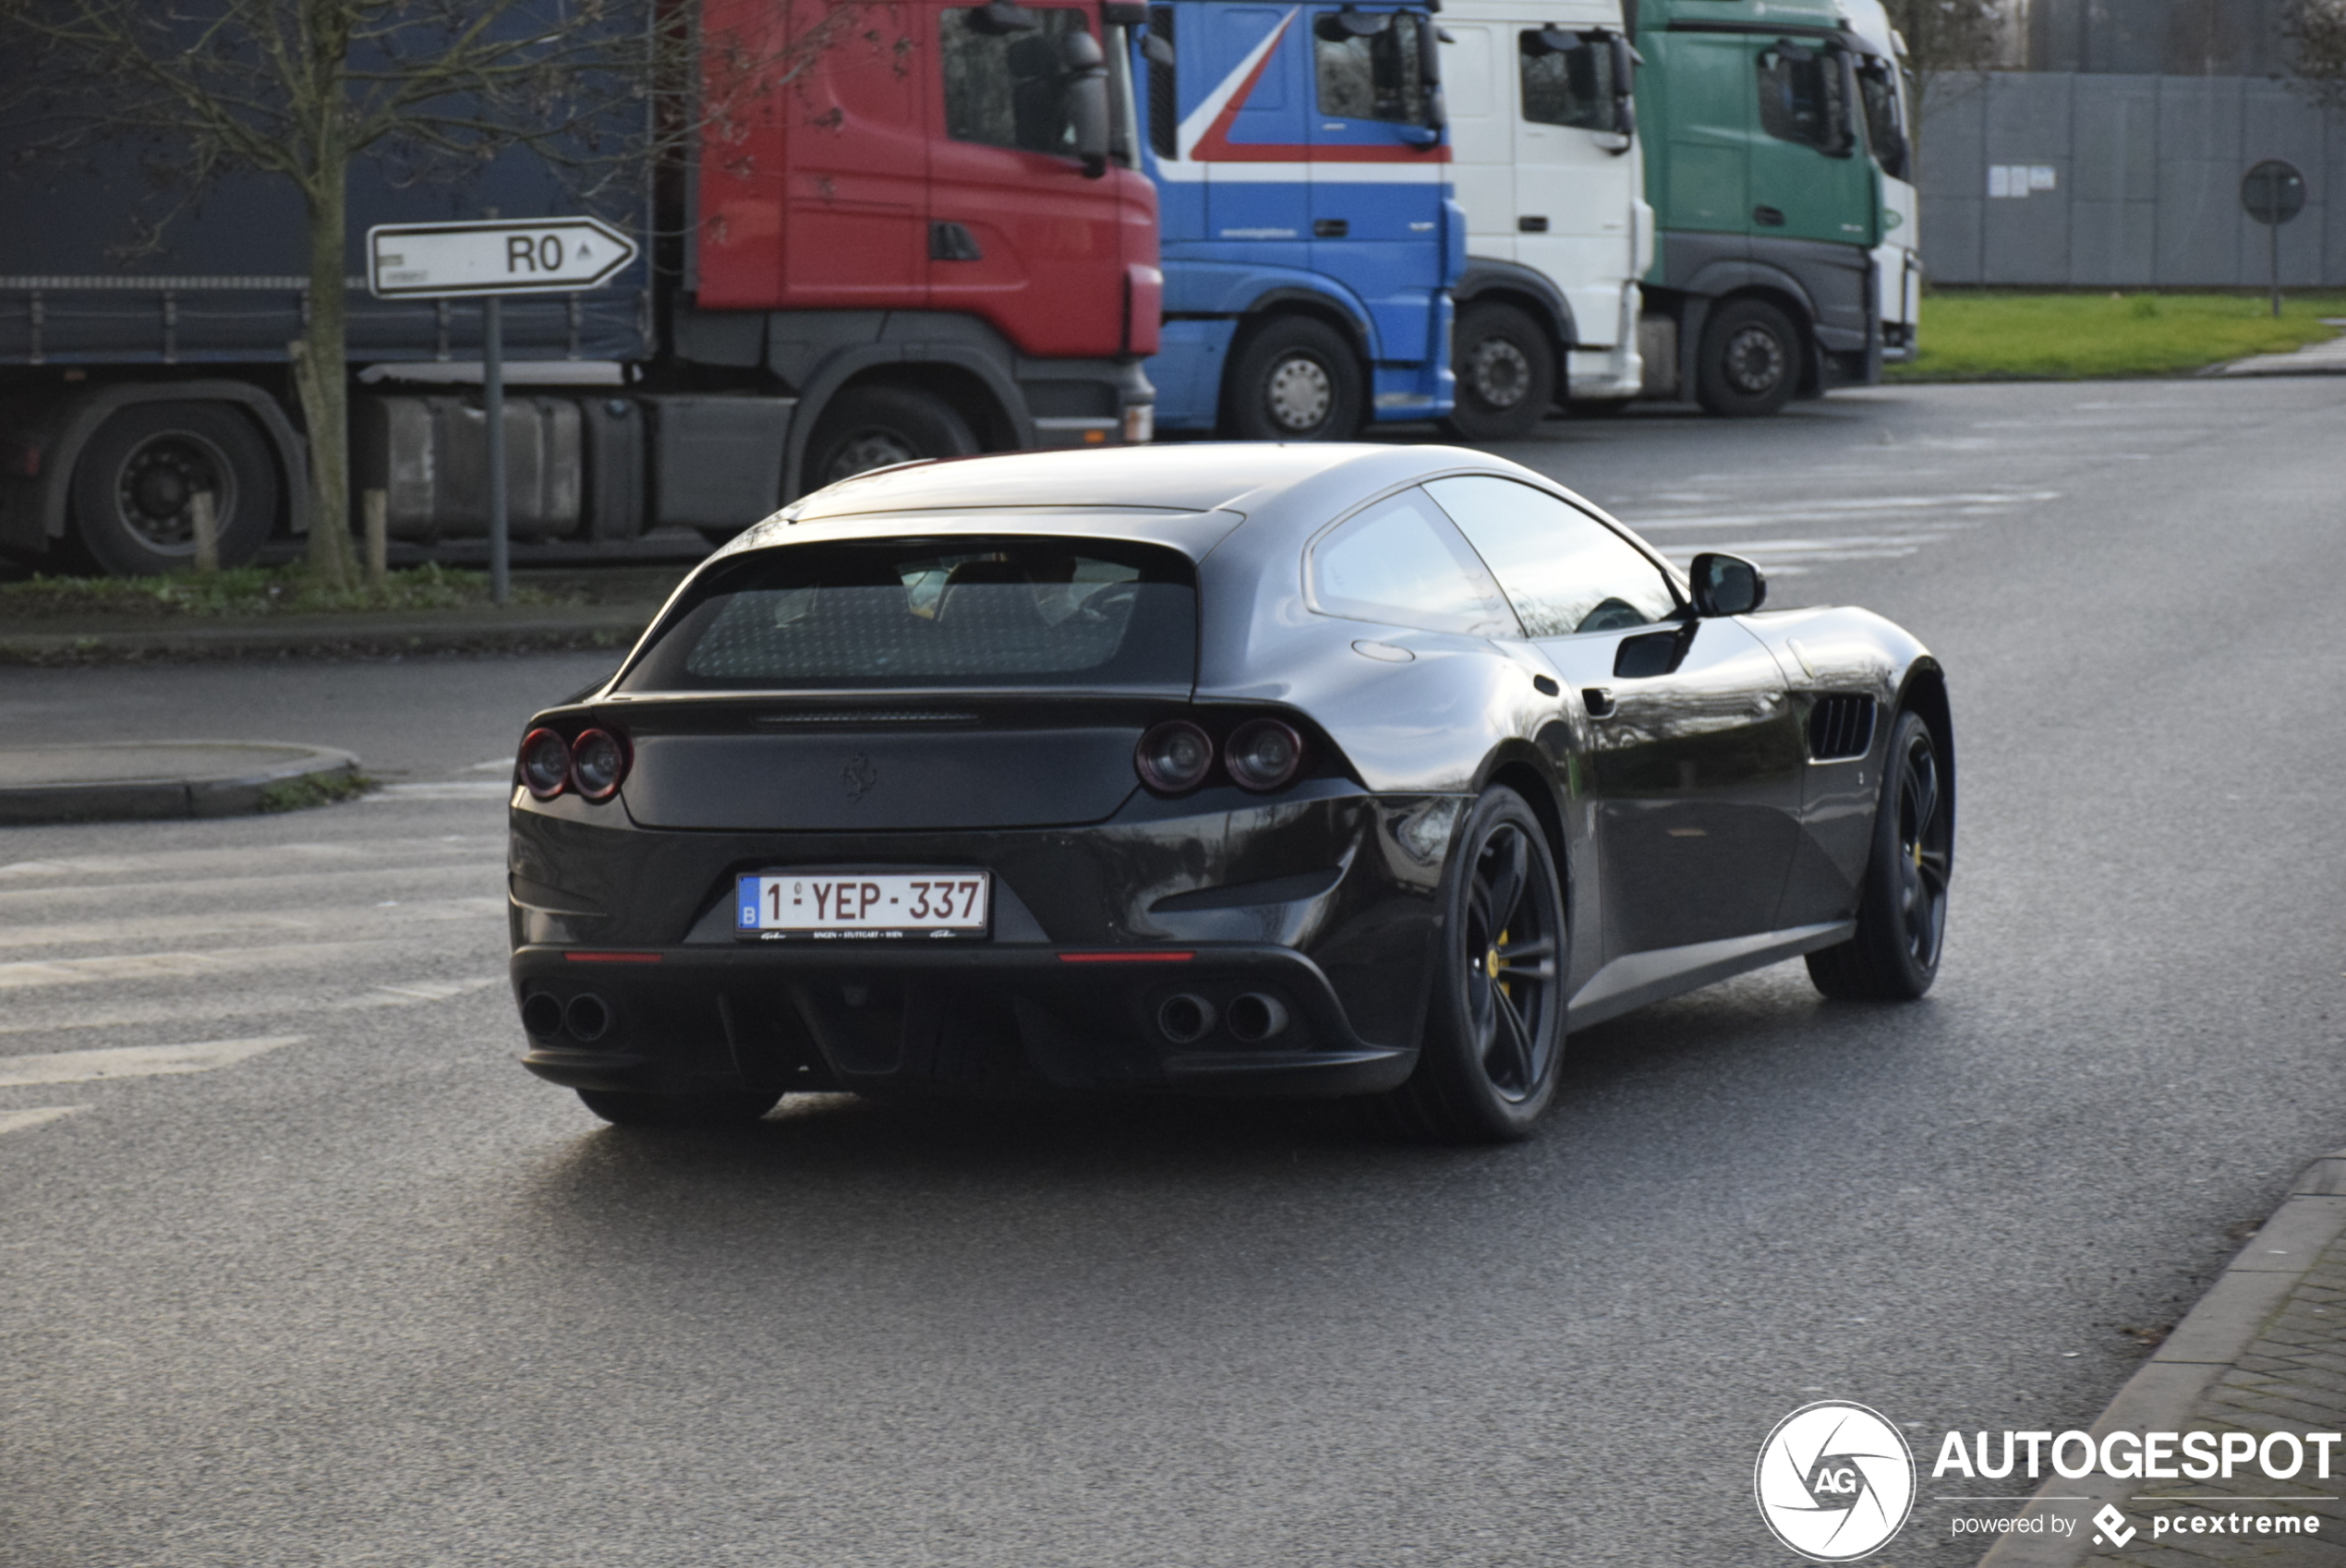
point(1835, 1481)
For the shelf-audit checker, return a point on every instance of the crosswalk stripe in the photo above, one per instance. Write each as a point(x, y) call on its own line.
point(136, 1061)
point(447, 789)
point(34, 1116)
point(173, 966)
point(67, 1017)
point(340, 918)
point(354, 852)
point(149, 890)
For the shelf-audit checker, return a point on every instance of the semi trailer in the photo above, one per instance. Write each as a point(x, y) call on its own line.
point(937, 240)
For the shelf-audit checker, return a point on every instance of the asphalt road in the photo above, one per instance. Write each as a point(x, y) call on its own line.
point(340, 1285)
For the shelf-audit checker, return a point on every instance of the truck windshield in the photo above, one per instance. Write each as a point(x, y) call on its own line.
point(1009, 88)
point(938, 613)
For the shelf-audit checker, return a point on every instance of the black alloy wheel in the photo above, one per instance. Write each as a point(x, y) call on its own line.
point(878, 426)
point(135, 484)
point(1902, 918)
point(716, 1108)
point(1297, 380)
point(1750, 360)
point(1507, 372)
point(1494, 1024)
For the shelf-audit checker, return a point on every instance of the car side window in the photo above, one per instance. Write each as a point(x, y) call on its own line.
point(1400, 562)
point(1566, 83)
point(1565, 571)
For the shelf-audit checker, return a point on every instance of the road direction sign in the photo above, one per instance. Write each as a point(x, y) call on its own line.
point(499, 255)
point(2273, 191)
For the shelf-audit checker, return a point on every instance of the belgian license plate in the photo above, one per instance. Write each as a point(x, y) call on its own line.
point(862, 905)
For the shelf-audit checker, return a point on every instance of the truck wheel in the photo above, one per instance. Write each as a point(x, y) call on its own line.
point(1297, 380)
point(1751, 361)
point(876, 427)
point(135, 481)
point(1507, 373)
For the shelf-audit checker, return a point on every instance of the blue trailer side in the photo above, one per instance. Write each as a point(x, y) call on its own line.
point(1309, 237)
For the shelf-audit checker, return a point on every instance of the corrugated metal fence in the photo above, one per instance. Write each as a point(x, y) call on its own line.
point(2060, 180)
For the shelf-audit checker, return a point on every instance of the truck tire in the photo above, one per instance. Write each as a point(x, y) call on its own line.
point(1506, 371)
point(1297, 380)
point(1750, 360)
point(135, 479)
point(870, 428)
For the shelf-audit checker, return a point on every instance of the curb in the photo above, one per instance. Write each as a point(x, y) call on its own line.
point(294, 775)
point(599, 626)
point(2204, 1347)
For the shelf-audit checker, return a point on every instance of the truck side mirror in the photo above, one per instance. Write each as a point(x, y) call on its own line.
point(1625, 61)
point(1000, 17)
point(1086, 99)
point(1726, 584)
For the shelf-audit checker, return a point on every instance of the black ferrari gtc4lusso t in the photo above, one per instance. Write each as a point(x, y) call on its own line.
point(1324, 771)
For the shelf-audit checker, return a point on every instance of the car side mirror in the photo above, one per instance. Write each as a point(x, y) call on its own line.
point(1087, 105)
point(1727, 584)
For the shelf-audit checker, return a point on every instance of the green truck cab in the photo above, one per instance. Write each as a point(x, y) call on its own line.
point(1767, 200)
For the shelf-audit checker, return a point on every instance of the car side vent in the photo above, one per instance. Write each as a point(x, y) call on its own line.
point(1840, 725)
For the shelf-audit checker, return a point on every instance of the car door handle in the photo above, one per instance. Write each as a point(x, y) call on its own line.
point(1531, 225)
point(1599, 701)
point(1768, 217)
point(1330, 228)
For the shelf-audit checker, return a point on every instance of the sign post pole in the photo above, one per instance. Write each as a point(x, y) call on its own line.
point(487, 261)
point(492, 405)
point(2273, 193)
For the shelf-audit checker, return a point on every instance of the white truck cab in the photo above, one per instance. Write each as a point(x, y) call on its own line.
point(1889, 106)
point(1549, 171)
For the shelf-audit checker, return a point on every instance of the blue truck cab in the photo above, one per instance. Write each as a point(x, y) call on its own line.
point(1310, 241)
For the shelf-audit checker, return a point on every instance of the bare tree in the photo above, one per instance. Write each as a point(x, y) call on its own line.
point(301, 90)
point(1950, 46)
point(2316, 30)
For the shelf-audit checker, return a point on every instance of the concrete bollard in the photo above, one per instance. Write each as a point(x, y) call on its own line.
point(377, 504)
point(202, 511)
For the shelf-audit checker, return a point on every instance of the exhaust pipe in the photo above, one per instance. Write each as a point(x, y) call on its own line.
point(588, 1017)
point(541, 1015)
point(1184, 1019)
point(1255, 1017)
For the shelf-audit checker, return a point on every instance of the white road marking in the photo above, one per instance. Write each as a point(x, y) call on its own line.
point(240, 1004)
point(136, 1061)
point(163, 862)
point(494, 765)
point(209, 891)
point(160, 928)
point(34, 1116)
point(447, 789)
point(171, 966)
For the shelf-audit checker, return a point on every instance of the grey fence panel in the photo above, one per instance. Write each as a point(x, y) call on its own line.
point(2051, 179)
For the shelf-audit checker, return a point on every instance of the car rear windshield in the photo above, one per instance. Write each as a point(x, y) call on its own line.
point(933, 612)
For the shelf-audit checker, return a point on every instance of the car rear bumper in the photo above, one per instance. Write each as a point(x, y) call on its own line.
point(991, 1019)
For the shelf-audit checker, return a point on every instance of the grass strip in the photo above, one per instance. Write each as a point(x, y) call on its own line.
point(314, 790)
point(1992, 335)
point(248, 591)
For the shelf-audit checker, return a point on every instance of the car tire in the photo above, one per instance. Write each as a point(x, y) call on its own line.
point(1487, 1062)
point(1750, 360)
point(715, 1108)
point(1297, 380)
point(134, 481)
point(872, 427)
point(1901, 911)
point(1506, 371)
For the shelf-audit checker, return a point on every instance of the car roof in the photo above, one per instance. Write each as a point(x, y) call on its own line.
point(1188, 477)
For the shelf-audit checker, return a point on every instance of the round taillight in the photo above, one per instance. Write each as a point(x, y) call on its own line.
point(1174, 757)
point(1263, 754)
point(545, 764)
point(597, 762)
